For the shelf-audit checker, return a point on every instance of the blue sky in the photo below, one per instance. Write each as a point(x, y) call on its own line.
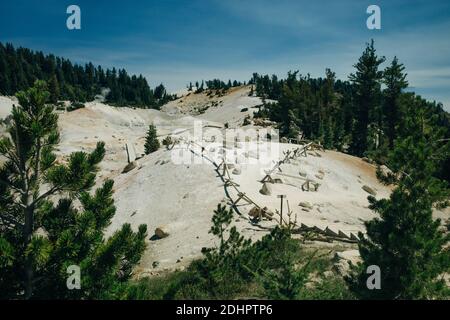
point(175, 41)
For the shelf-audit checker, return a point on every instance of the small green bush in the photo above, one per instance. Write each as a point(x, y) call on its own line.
point(167, 141)
point(277, 266)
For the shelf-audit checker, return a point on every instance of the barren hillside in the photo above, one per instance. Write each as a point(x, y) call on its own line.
point(180, 197)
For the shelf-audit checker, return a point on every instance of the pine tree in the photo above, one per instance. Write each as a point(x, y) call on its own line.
point(201, 89)
point(151, 140)
point(287, 281)
point(160, 92)
point(405, 241)
point(328, 131)
point(289, 105)
point(395, 80)
point(367, 84)
point(53, 87)
point(39, 239)
point(328, 88)
point(5, 87)
point(222, 263)
point(407, 245)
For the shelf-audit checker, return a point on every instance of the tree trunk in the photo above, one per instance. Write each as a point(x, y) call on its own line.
point(28, 232)
point(29, 221)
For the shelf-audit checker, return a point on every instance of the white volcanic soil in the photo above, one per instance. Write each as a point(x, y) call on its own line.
point(182, 197)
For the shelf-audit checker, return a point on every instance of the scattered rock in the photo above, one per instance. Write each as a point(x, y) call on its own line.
point(129, 167)
point(302, 174)
point(385, 170)
point(365, 159)
point(350, 255)
point(266, 189)
point(305, 204)
point(344, 259)
point(162, 232)
point(255, 212)
point(236, 171)
point(369, 190)
point(155, 264)
point(262, 122)
point(319, 176)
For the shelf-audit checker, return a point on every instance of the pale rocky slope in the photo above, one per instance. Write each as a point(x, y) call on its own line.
point(6, 104)
point(182, 197)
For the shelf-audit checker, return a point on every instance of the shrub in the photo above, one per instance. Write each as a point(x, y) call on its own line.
point(167, 141)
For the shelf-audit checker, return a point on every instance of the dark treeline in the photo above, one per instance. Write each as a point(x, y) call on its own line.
point(320, 109)
point(371, 115)
point(267, 87)
point(363, 116)
point(215, 84)
point(21, 67)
